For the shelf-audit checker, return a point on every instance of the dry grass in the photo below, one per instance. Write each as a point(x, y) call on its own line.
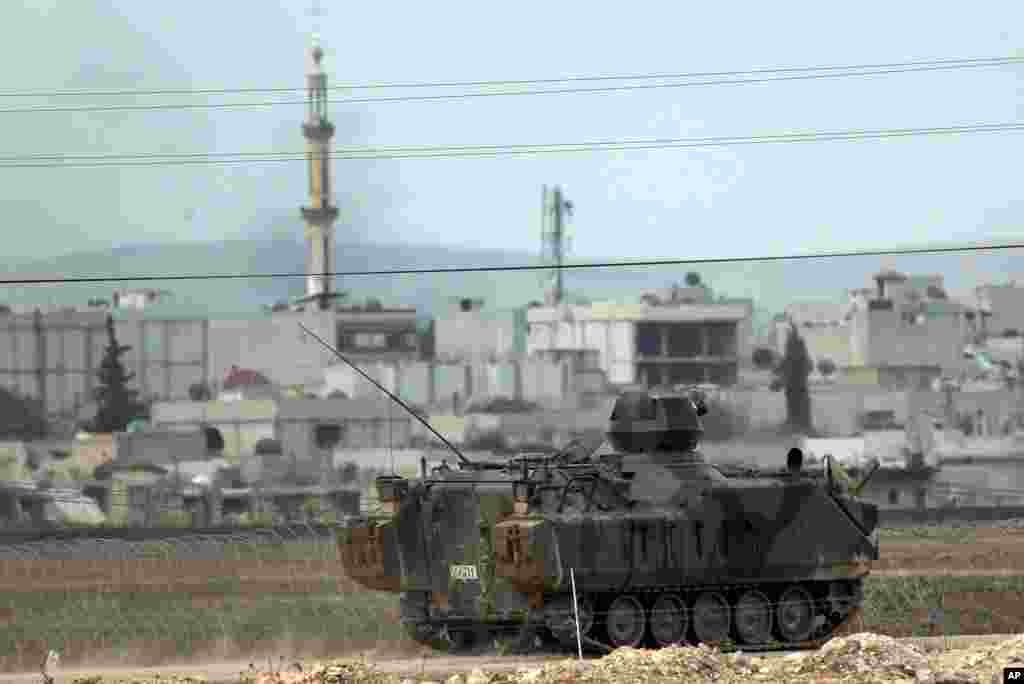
point(231, 619)
point(293, 601)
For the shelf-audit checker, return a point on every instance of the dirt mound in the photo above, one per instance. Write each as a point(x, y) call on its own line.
point(863, 657)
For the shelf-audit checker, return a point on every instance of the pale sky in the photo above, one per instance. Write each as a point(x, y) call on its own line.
point(754, 200)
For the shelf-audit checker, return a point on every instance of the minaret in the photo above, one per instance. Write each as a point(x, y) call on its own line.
point(321, 214)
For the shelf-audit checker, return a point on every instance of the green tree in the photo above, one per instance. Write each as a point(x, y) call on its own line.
point(763, 357)
point(348, 473)
point(693, 279)
point(199, 391)
point(20, 417)
point(117, 404)
point(793, 371)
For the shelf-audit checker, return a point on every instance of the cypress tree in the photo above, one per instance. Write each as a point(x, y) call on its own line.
point(117, 403)
point(793, 371)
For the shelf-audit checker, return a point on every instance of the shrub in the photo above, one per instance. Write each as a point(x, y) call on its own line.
point(264, 519)
point(178, 519)
point(764, 358)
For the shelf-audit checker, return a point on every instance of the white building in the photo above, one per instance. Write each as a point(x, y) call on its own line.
point(1004, 306)
point(671, 340)
point(906, 332)
point(470, 332)
point(824, 327)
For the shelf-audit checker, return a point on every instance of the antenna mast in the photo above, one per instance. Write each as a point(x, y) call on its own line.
point(554, 239)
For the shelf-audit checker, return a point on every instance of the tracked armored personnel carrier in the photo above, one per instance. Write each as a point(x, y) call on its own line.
point(639, 543)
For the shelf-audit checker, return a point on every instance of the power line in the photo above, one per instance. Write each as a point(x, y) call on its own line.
point(950, 63)
point(471, 151)
point(526, 267)
point(505, 93)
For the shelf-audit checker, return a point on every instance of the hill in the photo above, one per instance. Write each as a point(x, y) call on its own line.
point(772, 284)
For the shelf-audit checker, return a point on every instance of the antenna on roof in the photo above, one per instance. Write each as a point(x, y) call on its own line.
point(462, 457)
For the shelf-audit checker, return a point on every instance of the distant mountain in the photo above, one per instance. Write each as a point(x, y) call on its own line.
point(772, 284)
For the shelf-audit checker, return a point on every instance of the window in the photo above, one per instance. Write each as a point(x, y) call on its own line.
point(409, 339)
point(894, 496)
point(327, 435)
point(370, 340)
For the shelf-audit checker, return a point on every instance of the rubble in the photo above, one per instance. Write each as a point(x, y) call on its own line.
point(858, 658)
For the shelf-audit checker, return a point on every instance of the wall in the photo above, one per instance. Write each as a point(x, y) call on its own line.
point(609, 328)
point(426, 383)
point(613, 339)
point(835, 411)
point(161, 448)
point(479, 334)
point(167, 355)
point(997, 406)
point(274, 345)
point(1006, 303)
point(824, 341)
point(890, 341)
point(365, 424)
point(59, 360)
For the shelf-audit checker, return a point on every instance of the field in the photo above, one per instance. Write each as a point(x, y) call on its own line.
point(149, 603)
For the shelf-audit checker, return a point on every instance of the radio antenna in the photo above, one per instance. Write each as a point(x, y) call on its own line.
point(462, 458)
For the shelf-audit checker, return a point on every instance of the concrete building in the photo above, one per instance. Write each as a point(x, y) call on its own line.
point(452, 385)
point(275, 345)
point(907, 332)
point(902, 333)
point(824, 327)
point(471, 332)
point(54, 356)
point(685, 337)
point(1004, 306)
point(139, 298)
point(308, 431)
point(159, 447)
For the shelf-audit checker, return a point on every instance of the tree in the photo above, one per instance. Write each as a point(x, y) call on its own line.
point(826, 366)
point(764, 357)
point(348, 472)
point(199, 391)
point(693, 279)
point(20, 417)
point(118, 404)
point(793, 371)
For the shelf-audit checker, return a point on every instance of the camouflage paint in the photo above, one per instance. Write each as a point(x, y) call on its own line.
point(647, 522)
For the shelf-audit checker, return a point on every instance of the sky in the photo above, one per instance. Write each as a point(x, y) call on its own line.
point(699, 203)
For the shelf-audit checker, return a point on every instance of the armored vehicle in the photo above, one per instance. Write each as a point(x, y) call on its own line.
point(639, 542)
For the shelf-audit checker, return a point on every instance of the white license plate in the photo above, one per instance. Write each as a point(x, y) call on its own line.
point(463, 572)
